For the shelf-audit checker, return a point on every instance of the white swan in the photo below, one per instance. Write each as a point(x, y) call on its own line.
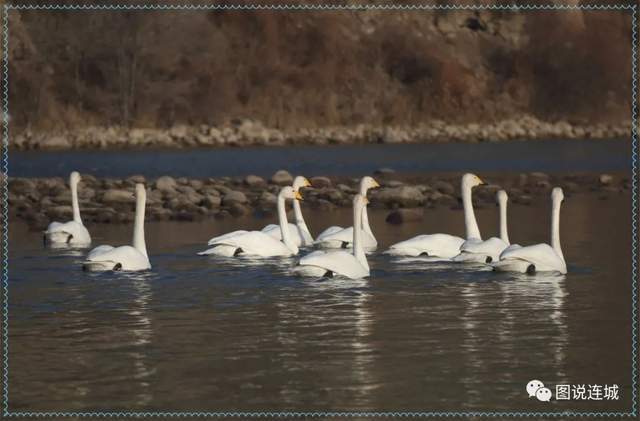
point(539, 257)
point(257, 243)
point(300, 233)
point(349, 264)
point(444, 246)
point(126, 258)
point(72, 232)
point(338, 237)
point(488, 251)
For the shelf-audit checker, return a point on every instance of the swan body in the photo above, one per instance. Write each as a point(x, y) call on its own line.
point(123, 258)
point(444, 245)
point(340, 262)
point(538, 257)
point(487, 251)
point(73, 232)
point(437, 245)
point(258, 243)
point(339, 237)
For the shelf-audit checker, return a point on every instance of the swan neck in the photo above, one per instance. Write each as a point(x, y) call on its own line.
point(470, 223)
point(284, 225)
point(504, 235)
point(555, 228)
point(300, 222)
point(74, 202)
point(138, 227)
point(358, 250)
point(365, 221)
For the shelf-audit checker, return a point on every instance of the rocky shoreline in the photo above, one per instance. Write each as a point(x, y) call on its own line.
point(39, 201)
point(244, 132)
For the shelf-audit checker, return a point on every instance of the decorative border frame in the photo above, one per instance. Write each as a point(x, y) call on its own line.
point(4, 167)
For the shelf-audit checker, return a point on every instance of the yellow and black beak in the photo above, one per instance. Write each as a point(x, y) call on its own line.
point(298, 196)
point(307, 183)
point(375, 184)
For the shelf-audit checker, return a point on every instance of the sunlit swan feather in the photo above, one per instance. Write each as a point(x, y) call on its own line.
point(444, 246)
point(124, 258)
point(73, 232)
point(539, 257)
point(257, 243)
point(340, 262)
point(338, 237)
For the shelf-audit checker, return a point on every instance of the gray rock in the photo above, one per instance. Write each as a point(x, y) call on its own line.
point(384, 171)
point(282, 178)
point(321, 182)
point(236, 209)
point(211, 201)
point(254, 181)
point(60, 213)
point(268, 198)
point(196, 184)
point(118, 196)
point(400, 216)
point(134, 179)
point(444, 187)
point(393, 183)
point(404, 196)
point(234, 196)
point(166, 184)
point(605, 179)
point(534, 177)
point(55, 142)
point(21, 185)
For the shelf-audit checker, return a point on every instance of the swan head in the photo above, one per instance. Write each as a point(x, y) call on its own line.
point(502, 196)
point(290, 193)
point(74, 178)
point(141, 193)
point(471, 180)
point(300, 182)
point(557, 194)
point(367, 183)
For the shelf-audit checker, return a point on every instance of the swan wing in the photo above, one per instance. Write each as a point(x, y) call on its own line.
point(257, 243)
point(331, 230)
point(437, 245)
point(338, 262)
point(492, 247)
point(274, 231)
point(345, 236)
point(543, 256)
point(128, 257)
point(223, 237)
point(57, 231)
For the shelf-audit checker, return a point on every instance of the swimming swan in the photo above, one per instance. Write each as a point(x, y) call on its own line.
point(257, 243)
point(72, 232)
point(338, 237)
point(300, 233)
point(340, 262)
point(488, 251)
point(539, 257)
point(125, 258)
point(444, 246)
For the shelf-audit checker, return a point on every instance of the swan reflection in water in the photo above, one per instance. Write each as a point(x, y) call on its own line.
point(524, 302)
point(342, 305)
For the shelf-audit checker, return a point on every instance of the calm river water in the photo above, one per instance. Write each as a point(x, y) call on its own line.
point(206, 334)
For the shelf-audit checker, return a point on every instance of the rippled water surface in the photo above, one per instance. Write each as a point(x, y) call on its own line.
point(212, 334)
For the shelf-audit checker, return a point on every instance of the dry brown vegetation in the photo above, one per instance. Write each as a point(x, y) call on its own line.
point(307, 69)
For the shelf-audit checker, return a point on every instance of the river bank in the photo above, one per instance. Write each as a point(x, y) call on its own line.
point(252, 133)
point(39, 201)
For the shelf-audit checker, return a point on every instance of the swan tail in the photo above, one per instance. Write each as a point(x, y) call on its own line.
point(57, 237)
point(472, 258)
point(220, 250)
point(100, 266)
point(310, 271)
point(331, 244)
point(513, 265)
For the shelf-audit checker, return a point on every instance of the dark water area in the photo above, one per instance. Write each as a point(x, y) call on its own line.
point(347, 160)
point(210, 334)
